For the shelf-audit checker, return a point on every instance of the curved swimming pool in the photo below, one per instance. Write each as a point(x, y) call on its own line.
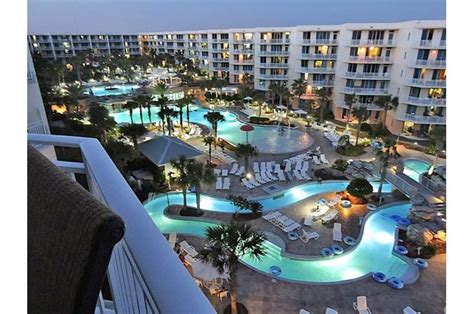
point(111, 90)
point(268, 139)
point(413, 168)
point(373, 252)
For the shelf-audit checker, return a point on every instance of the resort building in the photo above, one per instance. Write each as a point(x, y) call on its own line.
point(405, 60)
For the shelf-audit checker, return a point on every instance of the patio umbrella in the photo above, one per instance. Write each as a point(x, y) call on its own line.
point(300, 112)
point(247, 128)
point(248, 98)
point(280, 107)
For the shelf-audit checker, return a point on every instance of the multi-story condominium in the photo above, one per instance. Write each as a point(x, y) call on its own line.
point(405, 60)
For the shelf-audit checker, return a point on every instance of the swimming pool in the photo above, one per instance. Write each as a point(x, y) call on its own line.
point(373, 253)
point(268, 139)
point(111, 90)
point(415, 167)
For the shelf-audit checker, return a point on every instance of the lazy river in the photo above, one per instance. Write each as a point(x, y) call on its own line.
point(373, 253)
point(268, 139)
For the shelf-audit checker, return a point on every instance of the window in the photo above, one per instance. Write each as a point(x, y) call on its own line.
point(236, 68)
point(356, 35)
point(405, 56)
point(214, 36)
point(390, 35)
point(423, 54)
point(374, 52)
point(353, 51)
point(371, 68)
point(443, 34)
point(411, 109)
point(376, 35)
point(441, 55)
point(305, 49)
point(414, 92)
point(427, 34)
point(387, 53)
point(334, 35)
point(322, 35)
point(352, 67)
point(439, 74)
point(322, 49)
point(263, 59)
point(350, 83)
point(307, 35)
point(304, 63)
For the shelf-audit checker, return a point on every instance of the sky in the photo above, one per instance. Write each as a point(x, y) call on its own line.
point(134, 16)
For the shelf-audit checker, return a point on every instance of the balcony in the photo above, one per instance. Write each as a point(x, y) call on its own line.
point(249, 62)
point(421, 119)
point(367, 75)
point(364, 59)
point(243, 41)
point(372, 42)
point(220, 40)
point(317, 70)
point(220, 60)
point(320, 41)
point(220, 49)
point(243, 51)
point(220, 68)
point(318, 56)
point(365, 91)
point(273, 76)
point(241, 71)
point(439, 102)
point(144, 272)
point(274, 53)
point(275, 41)
point(431, 63)
point(428, 83)
point(323, 83)
point(442, 43)
point(273, 65)
point(367, 105)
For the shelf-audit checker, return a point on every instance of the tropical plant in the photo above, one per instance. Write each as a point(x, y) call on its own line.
point(214, 117)
point(359, 187)
point(324, 95)
point(243, 203)
point(298, 88)
point(162, 116)
point(349, 100)
point(169, 114)
point(227, 243)
point(120, 153)
point(181, 165)
point(199, 174)
point(180, 104)
point(99, 117)
point(438, 136)
point(133, 132)
point(161, 89)
point(73, 91)
point(361, 113)
point(386, 156)
point(245, 151)
point(130, 105)
point(208, 141)
point(340, 164)
point(387, 103)
point(143, 101)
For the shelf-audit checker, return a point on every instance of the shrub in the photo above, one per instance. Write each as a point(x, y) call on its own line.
point(350, 150)
point(359, 187)
point(259, 120)
point(365, 127)
point(428, 251)
point(340, 164)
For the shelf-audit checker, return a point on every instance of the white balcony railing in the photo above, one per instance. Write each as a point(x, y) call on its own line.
point(243, 41)
point(368, 106)
point(426, 101)
point(144, 272)
point(274, 53)
point(38, 128)
point(273, 65)
point(428, 83)
point(421, 119)
point(370, 59)
point(318, 56)
point(431, 63)
point(245, 51)
point(243, 61)
point(323, 83)
point(320, 41)
point(367, 75)
point(273, 76)
point(317, 70)
point(362, 90)
point(275, 41)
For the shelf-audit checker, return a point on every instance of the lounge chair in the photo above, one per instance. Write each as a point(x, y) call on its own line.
point(330, 311)
point(305, 166)
point(308, 236)
point(281, 176)
point(291, 227)
point(323, 159)
point(271, 176)
point(259, 178)
point(234, 168)
point(172, 238)
point(361, 305)
point(265, 177)
point(336, 232)
point(409, 310)
point(303, 311)
point(271, 215)
point(298, 174)
point(219, 183)
point(308, 220)
point(224, 172)
point(240, 171)
point(253, 181)
point(247, 184)
point(217, 172)
point(255, 167)
point(288, 166)
point(316, 160)
point(226, 184)
point(305, 175)
point(188, 248)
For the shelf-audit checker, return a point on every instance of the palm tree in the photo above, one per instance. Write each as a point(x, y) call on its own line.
point(73, 91)
point(214, 117)
point(361, 113)
point(438, 136)
point(227, 243)
point(209, 140)
point(349, 100)
point(386, 156)
point(181, 165)
point(273, 88)
point(324, 95)
point(198, 175)
point(299, 89)
point(162, 116)
point(259, 98)
point(245, 150)
point(387, 103)
point(161, 88)
point(181, 103)
point(188, 100)
point(133, 131)
point(130, 105)
point(99, 117)
point(140, 100)
point(169, 114)
point(148, 101)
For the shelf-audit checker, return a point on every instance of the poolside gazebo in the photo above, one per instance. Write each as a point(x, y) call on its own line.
point(247, 128)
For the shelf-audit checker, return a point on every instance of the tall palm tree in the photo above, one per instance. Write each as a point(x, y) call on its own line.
point(130, 105)
point(349, 100)
point(245, 151)
point(361, 113)
point(324, 95)
point(188, 100)
point(273, 90)
point(259, 98)
point(169, 114)
point(438, 136)
point(298, 88)
point(148, 102)
point(140, 100)
point(181, 103)
point(214, 117)
point(209, 140)
point(227, 243)
point(387, 103)
point(181, 166)
point(199, 174)
point(73, 91)
point(161, 88)
point(99, 117)
point(133, 131)
point(386, 156)
point(162, 116)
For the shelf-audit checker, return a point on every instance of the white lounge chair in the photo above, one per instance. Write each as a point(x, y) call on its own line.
point(265, 177)
point(281, 176)
point(305, 166)
point(291, 227)
point(234, 168)
point(303, 311)
point(298, 175)
point(330, 311)
point(217, 172)
point(271, 176)
point(308, 220)
point(336, 232)
point(253, 181)
point(271, 215)
point(361, 305)
point(305, 175)
point(308, 236)
point(219, 183)
point(323, 159)
point(226, 184)
point(259, 178)
point(255, 167)
point(224, 172)
point(288, 166)
point(247, 184)
point(316, 160)
point(240, 171)
point(172, 238)
point(409, 310)
point(188, 248)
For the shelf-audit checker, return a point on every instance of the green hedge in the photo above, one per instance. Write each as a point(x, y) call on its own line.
point(259, 120)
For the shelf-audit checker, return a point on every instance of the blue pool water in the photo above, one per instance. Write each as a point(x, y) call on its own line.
point(373, 252)
point(415, 167)
point(111, 90)
point(268, 139)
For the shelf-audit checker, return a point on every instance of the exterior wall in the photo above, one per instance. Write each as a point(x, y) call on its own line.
point(290, 54)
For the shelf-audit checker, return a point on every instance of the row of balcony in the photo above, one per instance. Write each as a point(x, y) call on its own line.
point(428, 83)
point(367, 105)
point(365, 90)
point(274, 53)
point(275, 41)
point(272, 76)
point(372, 42)
point(317, 70)
point(273, 65)
point(319, 41)
point(242, 51)
point(439, 102)
point(318, 56)
point(432, 43)
point(431, 63)
point(421, 119)
point(368, 75)
point(370, 59)
point(322, 83)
